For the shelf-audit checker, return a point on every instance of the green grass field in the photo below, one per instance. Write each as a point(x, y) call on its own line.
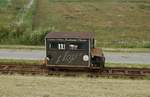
point(20, 62)
point(11, 12)
point(127, 65)
point(39, 62)
point(40, 86)
point(16, 21)
point(116, 23)
point(3, 3)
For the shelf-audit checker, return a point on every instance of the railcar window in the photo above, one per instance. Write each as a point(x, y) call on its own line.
point(53, 45)
point(78, 46)
point(83, 46)
point(61, 46)
point(73, 46)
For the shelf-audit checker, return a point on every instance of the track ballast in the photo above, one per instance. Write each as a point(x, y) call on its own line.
point(71, 71)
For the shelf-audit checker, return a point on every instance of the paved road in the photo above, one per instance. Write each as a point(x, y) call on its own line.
point(138, 58)
point(113, 57)
point(22, 54)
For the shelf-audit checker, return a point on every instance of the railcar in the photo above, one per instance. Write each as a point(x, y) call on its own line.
point(73, 49)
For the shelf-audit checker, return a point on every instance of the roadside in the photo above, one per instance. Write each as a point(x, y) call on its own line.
point(22, 47)
point(40, 62)
point(134, 50)
point(31, 47)
point(127, 65)
point(20, 62)
point(123, 58)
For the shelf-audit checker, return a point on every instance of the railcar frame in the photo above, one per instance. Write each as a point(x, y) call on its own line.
point(73, 49)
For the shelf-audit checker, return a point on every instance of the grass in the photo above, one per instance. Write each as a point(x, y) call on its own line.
point(129, 50)
point(17, 47)
point(10, 13)
point(40, 86)
point(16, 24)
point(127, 65)
point(3, 3)
point(20, 62)
point(34, 47)
point(39, 62)
point(116, 23)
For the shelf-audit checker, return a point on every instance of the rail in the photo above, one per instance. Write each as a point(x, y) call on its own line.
point(41, 69)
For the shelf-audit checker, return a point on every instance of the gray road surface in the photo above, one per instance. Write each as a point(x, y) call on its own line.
point(113, 57)
point(132, 58)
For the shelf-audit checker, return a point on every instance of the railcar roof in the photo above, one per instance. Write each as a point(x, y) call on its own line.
point(81, 35)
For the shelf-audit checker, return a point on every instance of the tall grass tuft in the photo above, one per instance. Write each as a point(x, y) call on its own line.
point(20, 29)
point(8, 36)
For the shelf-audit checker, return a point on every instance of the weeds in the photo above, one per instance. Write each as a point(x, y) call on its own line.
point(117, 23)
point(20, 62)
point(27, 38)
point(18, 30)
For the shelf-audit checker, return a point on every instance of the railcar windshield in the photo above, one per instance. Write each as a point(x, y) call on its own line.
point(67, 44)
point(56, 45)
point(78, 46)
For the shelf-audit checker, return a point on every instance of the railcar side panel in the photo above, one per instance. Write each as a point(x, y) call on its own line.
point(68, 52)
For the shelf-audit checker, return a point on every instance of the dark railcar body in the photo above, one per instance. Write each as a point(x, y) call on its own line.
point(64, 54)
point(69, 49)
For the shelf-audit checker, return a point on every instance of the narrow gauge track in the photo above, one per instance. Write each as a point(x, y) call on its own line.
point(72, 71)
point(22, 69)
